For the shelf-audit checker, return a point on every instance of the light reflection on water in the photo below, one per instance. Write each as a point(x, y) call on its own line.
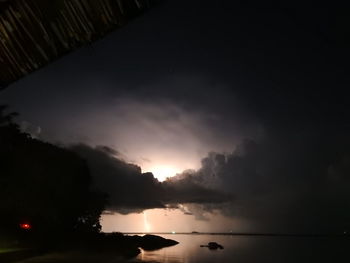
point(251, 249)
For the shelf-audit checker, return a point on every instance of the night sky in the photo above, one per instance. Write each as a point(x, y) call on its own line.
point(253, 101)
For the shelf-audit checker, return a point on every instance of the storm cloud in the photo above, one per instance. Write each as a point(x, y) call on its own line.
point(296, 182)
point(130, 190)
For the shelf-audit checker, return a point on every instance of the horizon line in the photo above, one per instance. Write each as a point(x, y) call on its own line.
point(235, 233)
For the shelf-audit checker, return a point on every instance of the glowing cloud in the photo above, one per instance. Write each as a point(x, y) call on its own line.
point(163, 172)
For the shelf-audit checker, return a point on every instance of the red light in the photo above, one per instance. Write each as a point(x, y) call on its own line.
point(25, 226)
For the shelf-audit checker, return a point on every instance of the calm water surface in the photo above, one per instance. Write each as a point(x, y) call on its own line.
point(251, 249)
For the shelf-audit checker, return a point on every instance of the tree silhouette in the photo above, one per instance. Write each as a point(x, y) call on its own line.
point(44, 185)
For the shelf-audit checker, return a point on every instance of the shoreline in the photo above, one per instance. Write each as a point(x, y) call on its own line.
point(114, 247)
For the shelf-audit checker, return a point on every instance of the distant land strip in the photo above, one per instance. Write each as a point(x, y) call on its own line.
point(238, 234)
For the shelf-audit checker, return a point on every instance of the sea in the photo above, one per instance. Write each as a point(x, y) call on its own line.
point(260, 249)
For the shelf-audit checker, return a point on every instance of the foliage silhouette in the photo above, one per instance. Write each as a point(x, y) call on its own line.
point(45, 186)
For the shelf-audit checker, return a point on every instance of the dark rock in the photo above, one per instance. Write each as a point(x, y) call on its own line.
point(213, 245)
point(152, 242)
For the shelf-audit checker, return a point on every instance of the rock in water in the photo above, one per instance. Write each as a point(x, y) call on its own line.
point(213, 245)
point(152, 242)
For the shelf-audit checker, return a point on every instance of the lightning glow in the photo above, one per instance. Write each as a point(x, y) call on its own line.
point(147, 226)
point(163, 172)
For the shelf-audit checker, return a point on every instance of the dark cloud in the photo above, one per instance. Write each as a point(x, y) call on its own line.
point(130, 190)
point(126, 186)
point(294, 182)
